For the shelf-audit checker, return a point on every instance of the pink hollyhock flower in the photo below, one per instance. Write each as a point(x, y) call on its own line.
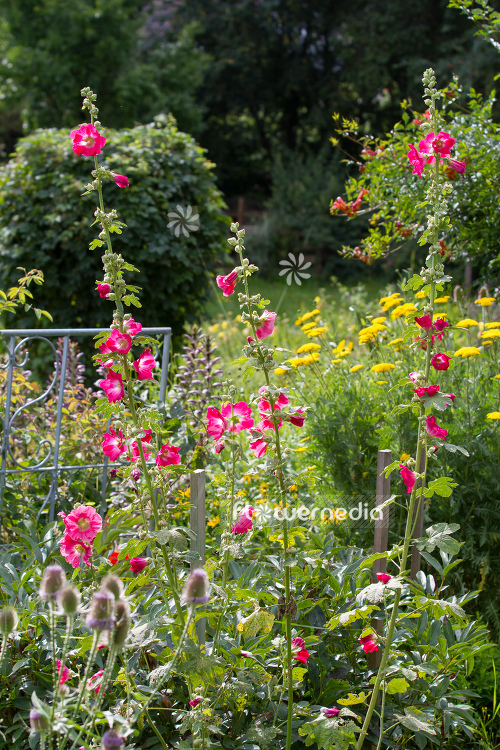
point(168, 455)
point(219, 446)
point(458, 166)
point(451, 396)
point(300, 653)
point(279, 403)
point(97, 676)
point(266, 325)
point(74, 552)
point(434, 430)
point(145, 439)
point(432, 390)
point(440, 324)
point(104, 348)
point(119, 342)
point(440, 144)
point(221, 421)
point(330, 713)
point(440, 361)
point(259, 447)
point(132, 327)
point(414, 377)
point(227, 283)
point(424, 322)
point(384, 577)
point(121, 180)
point(194, 702)
point(82, 524)
point(103, 289)
point(145, 365)
point(113, 444)
point(137, 564)
point(368, 643)
point(112, 385)
point(417, 160)
point(87, 141)
point(408, 477)
point(62, 671)
point(422, 391)
point(268, 424)
point(244, 523)
point(298, 418)
point(216, 423)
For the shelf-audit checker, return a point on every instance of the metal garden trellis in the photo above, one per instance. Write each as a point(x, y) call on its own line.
point(46, 465)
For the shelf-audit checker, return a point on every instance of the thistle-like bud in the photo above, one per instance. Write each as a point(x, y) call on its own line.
point(68, 599)
point(53, 580)
point(112, 584)
point(8, 621)
point(111, 740)
point(197, 587)
point(101, 614)
point(122, 622)
point(38, 721)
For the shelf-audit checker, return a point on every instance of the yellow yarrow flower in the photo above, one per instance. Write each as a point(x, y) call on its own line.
point(441, 300)
point(492, 325)
point(405, 457)
point(421, 295)
point(310, 359)
point(214, 328)
point(280, 370)
point(382, 319)
point(382, 382)
point(496, 377)
point(311, 347)
point(495, 334)
point(214, 522)
point(484, 301)
point(383, 367)
point(335, 361)
point(356, 368)
point(439, 315)
point(388, 302)
point(306, 316)
point(315, 332)
point(403, 310)
point(467, 323)
point(394, 342)
point(493, 415)
point(467, 351)
point(308, 326)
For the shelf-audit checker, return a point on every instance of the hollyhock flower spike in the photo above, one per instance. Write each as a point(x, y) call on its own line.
point(121, 180)
point(103, 289)
point(75, 553)
point(434, 430)
point(113, 444)
point(440, 361)
point(112, 386)
point(299, 652)
point(83, 524)
point(168, 455)
point(408, 477)
point(227, 283)
point(243, 523)
point(87, 141)
point(145, 365)
point(266, 325)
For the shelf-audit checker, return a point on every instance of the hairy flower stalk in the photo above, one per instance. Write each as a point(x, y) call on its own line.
point(431, 275)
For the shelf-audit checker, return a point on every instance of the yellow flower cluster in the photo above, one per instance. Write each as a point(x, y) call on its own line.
point(356, 368)
point(307, 316)
point(484, 301)
point(467, 323)
point(439, 315)
point(403, 310)
point(494, 334)
point(441, 300)
point(493, 415)
point(467, 351)
point(311, 347)
point(492, 325)
point(315, 332)
point(371, 332)
point(394, 342)
point(309, 359)
point(388, 302)
point(383, 367)
point(342, 350)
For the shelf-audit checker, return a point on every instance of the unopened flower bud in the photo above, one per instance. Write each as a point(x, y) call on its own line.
point(122, 622)
point(112, 584)
point(38, 721)
point(69, 600)
point(8, 621)
point(197, 587)
point(101, 614)
point(111, 740)
point(136, 473)
point(52, 582)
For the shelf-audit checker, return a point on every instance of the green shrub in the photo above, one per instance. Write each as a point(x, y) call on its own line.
point(44, 222)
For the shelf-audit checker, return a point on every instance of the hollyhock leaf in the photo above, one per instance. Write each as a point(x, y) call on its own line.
point(328, 734)
point(443, 486)
point(439, 536)
point(353, 700)
point(298, 673)
point(248, 373)
point(414, 283)
point(240, 361)
point(173, 537)
point(258, 621)
point(415, 720)
point(454, 448)
point(397, 685)
point(373, 593)
point(346, 618)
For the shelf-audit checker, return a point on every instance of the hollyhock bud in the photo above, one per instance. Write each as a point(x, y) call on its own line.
point(113, 473)
point(457, 166)
point(136, 473)
point(384, 577)
point(298, 418)
point(145, 365)
point(62, 671)
point(299, 652)
point(195, 702)
point(101, 614)
point(87, 141)
point(122, 622)
point(434, 430)
point(137, 564)
point(330, 713)
point(197, 587)
point(53, 580)
point(440, 361)
point(168, 455)
point(416, 377)
point(243, 523)
point(112, 385)
point(121, 180)
point(38, 722)
point(132, 328)
point(369, 643)
point(408, 477)
point(227, 283)
point(424, 322)
point(68, 599)
point(103, 289)
point(265, 327)
point(8, 621)
point(111, 740)
point(113, 585)
point(440, 324)
point(119, 342)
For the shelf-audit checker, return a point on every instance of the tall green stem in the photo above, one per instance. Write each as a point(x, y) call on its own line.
point(83, 685)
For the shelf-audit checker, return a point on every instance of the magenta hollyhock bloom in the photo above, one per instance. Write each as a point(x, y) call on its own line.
point(73, 551)
point(414, 377)
point(440, 361)
point(104, 349)
point(244, 523)
point(451, 396)
point(135, 447)
point(266, 325)
point(330, 713)
point(429, 390)
point(62, 671)
point(368, 643)
point(384, 577)
point(424, 322)
point(86, 140)
point(168, 455)
point(97, 676)
point(113, 444)
point(259, 447)
point(121, 180)
point(119, 342)
point(417, 160)
point(137, 564)
point(458, 166)
point(194, 702)
point(82, 524)
point(441, 144)
point(434, 430)
point(136, 473)
point(440, 324)
point(298, 418)
point(145, 365)
point(132, 327)
point(103, 289)
point(432, 390)
point(279, 404)
point(112, 385)
point(420, 391)
point(240, 409)
point(216, 423)
point(219, 446)
point(227, 283)
point(268, 424)
point(299, 652)
point(408, 477)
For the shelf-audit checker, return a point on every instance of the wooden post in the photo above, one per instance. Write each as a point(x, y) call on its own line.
point(198, 526)
point(383, 492)
point(416, 557)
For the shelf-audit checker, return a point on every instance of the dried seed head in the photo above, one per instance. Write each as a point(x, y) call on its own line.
point(38, 721)
point(112, 584)
point(197, 587)
point(52, 582)
point(8, 621)
point(101, 614)
point(69, 600)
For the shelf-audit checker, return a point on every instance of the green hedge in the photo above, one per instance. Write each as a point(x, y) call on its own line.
point(44, 222)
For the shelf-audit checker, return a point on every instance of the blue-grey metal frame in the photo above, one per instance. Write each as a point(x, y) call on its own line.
point(44, 465)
